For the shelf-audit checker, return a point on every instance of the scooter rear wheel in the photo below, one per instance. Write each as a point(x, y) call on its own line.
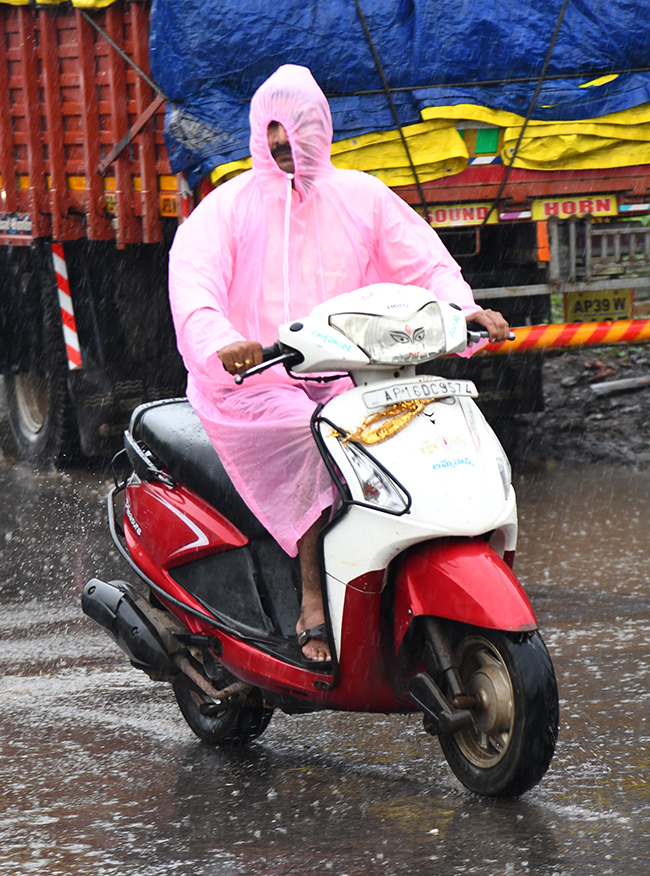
point(509, 745)
point(238, 725)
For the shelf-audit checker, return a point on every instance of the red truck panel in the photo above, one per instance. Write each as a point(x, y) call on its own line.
point(483, 184)
point(81, 132)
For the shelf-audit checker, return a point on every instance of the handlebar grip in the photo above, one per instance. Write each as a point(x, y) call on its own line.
point(271, 352)
point(276, 354)
point(475, 331)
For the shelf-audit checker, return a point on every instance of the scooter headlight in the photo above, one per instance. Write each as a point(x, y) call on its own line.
point(377, 486)
point(387, 340)
point(505, 470)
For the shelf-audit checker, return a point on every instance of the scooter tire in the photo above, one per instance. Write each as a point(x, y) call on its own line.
point(238, 726)
point(508, 748)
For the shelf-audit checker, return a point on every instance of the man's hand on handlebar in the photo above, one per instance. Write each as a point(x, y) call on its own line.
point(240, 356)
point(494, 323)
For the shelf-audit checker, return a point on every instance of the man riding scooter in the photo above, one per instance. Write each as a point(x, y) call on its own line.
point(261, 250)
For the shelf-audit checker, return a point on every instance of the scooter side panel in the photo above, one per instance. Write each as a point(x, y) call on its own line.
point(462, 580)
point(191, 527)
point(363, 684)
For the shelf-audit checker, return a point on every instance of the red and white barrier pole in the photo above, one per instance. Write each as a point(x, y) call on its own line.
point(65, 304)
point(186, 198)
point(532, 338)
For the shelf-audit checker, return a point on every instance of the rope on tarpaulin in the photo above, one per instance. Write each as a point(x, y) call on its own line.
point(557, 336)
point(391, 103)
point(538, 88)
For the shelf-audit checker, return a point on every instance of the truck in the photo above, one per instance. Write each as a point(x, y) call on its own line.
point(89, 208)
point(521, 134)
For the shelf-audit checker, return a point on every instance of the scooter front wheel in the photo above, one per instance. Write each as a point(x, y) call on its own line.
point(508, 747)
point(238, 725)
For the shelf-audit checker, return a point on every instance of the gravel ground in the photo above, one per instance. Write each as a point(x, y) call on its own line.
point(579, 425)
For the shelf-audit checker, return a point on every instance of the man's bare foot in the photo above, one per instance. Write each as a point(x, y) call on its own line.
point(312, 634)
point(312, 637)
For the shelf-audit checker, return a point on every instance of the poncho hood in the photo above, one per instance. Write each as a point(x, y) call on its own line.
point(292, 97)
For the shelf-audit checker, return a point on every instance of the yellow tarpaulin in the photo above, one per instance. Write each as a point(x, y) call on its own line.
point(614, 140)
point(438, 150)
point(436, 147)
point(80, 4)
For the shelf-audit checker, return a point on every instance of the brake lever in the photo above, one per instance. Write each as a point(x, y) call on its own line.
point(288, 356)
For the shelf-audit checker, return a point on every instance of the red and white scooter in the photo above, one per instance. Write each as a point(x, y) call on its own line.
point(423, 609)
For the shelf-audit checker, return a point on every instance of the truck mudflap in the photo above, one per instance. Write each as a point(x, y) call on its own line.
point(463, 580)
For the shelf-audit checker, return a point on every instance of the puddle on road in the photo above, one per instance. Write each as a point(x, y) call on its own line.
point(105, 778)
point(585, 530)
point(99, 774)
point(139, 796)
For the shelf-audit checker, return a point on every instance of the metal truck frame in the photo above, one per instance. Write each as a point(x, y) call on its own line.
point(89, 209)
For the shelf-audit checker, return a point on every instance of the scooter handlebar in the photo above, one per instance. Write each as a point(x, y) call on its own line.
point(476, 333)
point(279, 354)
point(276, 354)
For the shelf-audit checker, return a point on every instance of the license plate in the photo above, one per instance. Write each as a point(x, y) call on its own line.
point(599, 306)
point(418, 391)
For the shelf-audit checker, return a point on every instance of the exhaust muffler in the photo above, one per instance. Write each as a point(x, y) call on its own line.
point(143, 632)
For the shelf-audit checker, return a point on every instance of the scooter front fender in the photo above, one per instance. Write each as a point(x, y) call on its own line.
point(462, 580)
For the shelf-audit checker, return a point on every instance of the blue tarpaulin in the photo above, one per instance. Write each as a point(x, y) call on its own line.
point(209, 56)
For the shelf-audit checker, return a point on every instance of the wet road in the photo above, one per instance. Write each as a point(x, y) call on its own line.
point(100, 775)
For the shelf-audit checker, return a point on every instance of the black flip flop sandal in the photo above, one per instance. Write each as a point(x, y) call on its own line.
point(318, 633)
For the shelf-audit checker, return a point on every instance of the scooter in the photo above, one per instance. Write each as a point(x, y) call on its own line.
point(423, 609)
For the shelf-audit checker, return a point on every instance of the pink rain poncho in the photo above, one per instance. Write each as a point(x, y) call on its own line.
point(264, 249)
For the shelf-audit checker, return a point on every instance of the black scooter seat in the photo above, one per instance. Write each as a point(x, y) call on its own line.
point(172, 431)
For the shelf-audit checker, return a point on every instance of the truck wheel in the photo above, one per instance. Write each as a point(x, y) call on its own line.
point(509, 745)
point(38, 404)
